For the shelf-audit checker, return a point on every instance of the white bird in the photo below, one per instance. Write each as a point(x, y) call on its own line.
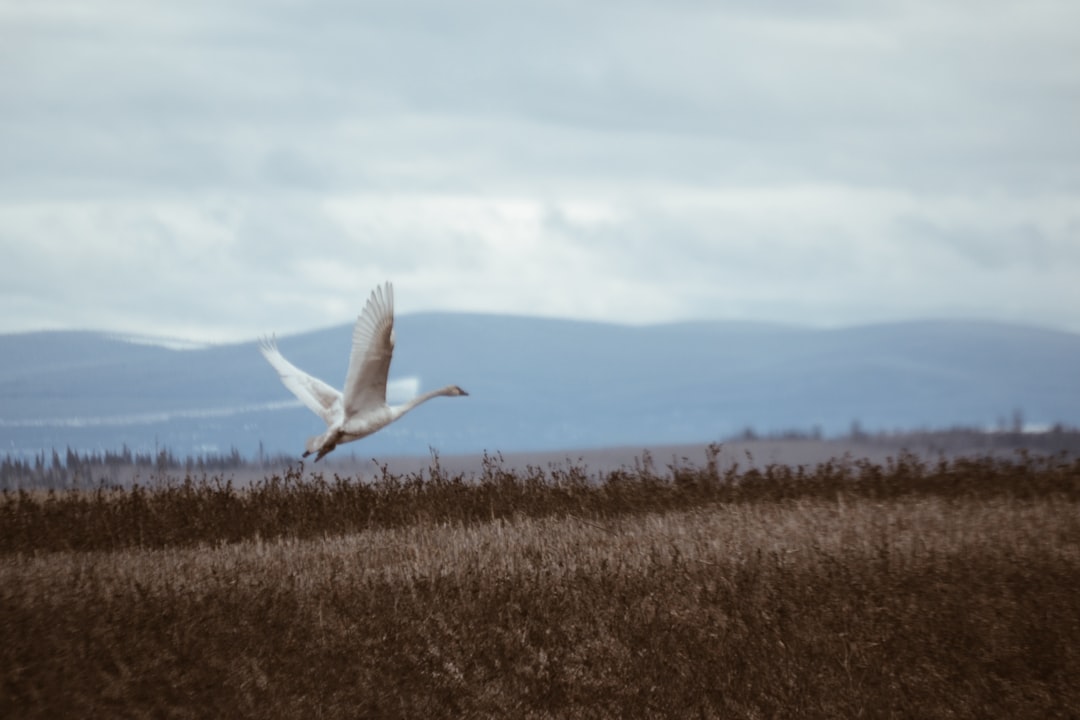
point(361, 409)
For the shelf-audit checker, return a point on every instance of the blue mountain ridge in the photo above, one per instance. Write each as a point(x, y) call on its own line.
point(541, 384)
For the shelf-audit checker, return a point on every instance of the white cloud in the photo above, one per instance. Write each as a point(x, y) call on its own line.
point(218, 170)
point(403, 389)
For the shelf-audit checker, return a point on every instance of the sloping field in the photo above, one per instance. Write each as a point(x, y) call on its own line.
point(895, 590)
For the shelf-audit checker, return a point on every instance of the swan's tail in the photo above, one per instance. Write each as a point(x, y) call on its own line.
point(320, 445)
point(314, 443)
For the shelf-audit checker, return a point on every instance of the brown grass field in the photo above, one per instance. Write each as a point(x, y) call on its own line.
point(850, 589)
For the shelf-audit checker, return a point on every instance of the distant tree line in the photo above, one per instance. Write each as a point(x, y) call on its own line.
point(109, 468)
point(91, 469)
point(1057, 438)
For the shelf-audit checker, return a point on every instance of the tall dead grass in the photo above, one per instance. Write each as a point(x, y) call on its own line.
point(192, 511)
point(955, 600)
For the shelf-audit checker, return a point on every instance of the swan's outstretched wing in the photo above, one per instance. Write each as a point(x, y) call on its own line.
point(372, 348)
point(313, 392)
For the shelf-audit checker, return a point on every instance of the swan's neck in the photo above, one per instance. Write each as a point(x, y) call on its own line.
point(400, 410)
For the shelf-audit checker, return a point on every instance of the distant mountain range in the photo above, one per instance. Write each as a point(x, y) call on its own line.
point(540, 384)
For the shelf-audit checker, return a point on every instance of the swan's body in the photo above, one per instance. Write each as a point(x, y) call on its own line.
point(361, 409)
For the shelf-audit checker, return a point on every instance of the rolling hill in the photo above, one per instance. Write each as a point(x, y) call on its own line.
point(540, 384)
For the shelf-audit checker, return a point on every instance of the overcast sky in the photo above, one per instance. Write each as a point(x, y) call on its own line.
point(219, 169)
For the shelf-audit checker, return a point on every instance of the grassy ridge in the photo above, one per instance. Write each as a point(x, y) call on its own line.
point(903, 590)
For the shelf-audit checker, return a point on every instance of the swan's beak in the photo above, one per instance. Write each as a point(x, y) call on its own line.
point(463, 392)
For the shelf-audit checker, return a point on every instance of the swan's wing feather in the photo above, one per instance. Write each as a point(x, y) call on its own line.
point(372, 349)
point(313, 392)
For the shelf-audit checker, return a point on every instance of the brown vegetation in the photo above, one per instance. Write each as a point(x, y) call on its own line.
point(850, 589)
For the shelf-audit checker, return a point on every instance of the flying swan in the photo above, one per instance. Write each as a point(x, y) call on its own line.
point(361, 409)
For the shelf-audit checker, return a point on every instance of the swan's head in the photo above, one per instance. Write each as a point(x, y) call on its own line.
point(454, 390)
